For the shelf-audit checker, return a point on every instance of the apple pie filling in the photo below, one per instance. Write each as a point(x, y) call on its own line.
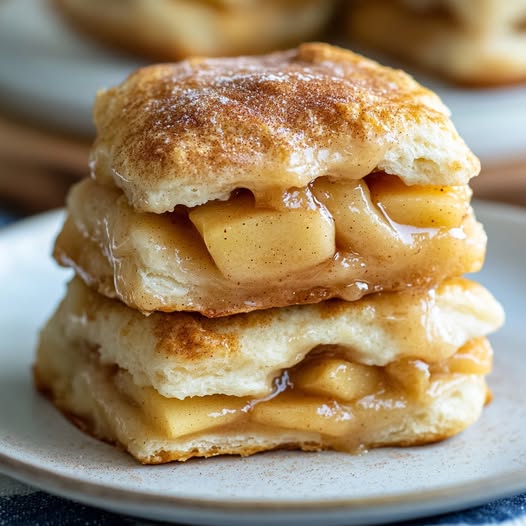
point(343, 239)
point(345, 402)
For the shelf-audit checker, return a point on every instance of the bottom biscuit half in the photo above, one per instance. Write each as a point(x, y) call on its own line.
point(324, 402)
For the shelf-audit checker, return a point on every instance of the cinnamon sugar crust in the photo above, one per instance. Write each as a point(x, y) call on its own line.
point(194, 131)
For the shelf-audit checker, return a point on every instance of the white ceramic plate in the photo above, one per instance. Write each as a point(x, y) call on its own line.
point(51, 74)
point(38, 446)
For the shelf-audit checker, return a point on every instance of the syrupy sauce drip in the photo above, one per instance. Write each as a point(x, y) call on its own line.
point(406, 233)
point(304, 198)
point(281, 384)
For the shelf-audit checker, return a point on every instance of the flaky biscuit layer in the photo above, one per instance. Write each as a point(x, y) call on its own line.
point(192, 132)
point(87, 392)
point(183, 355)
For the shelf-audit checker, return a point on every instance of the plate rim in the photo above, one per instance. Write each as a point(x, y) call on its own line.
point(478, 490)
point(405, 505)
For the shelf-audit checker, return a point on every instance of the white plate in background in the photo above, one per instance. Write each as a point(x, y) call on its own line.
point(50, 74)
point(491, 121)
point(38, 446)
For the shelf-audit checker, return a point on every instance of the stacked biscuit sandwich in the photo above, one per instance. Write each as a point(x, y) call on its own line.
point(269, 255)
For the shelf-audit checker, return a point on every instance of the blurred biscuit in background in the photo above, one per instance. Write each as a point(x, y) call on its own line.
point(174, 29)
point(471, 42)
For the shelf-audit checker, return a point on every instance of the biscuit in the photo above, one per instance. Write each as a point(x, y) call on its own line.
point(345, 246)
point(261, 182)
point(195, 131)
point(252, 191)
point(336, 375)
point(470, 42)
point(186, 355)
point(166, 30)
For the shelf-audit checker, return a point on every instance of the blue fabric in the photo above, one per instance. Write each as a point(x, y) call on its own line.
point(5, 218)
point(42, 509)
point(501, 512)
point(21, 505)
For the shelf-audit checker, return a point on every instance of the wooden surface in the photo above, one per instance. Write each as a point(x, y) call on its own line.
point(37, 168)
point(504, 182)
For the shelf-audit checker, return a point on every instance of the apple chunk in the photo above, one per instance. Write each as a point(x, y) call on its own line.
point(420, 206)
point(175, 418)
point(249, 243)
point(412, 375)
point(475, 357)
point(304, 413)
point(337, 379)
point(360, 227)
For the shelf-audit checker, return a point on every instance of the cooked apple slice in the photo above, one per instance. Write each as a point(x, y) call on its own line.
point(305, 413)
point(249, 243)
point(337, 379)
point(175, 418)
point(419, 206)
point(412, 375)
point(475, 357)
point(360, 227)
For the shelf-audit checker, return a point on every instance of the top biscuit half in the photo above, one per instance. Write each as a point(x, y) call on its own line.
point(196, 131)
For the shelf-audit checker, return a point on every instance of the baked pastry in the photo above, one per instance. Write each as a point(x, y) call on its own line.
point(469, 41)
point(228, 185)
point(251, 191)
point(392, 369)
point(175, 29)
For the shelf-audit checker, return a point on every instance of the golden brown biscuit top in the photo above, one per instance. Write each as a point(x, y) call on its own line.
point(194, 131)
